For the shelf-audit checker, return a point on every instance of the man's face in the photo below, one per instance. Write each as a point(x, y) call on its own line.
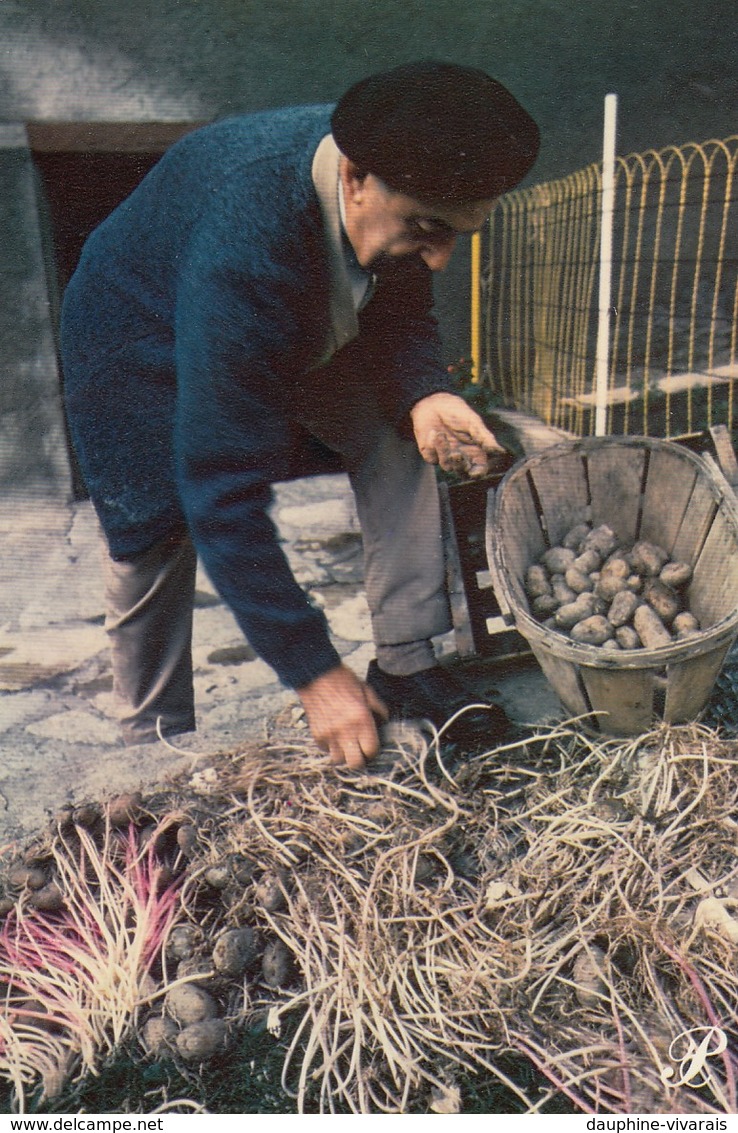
point(382, 223)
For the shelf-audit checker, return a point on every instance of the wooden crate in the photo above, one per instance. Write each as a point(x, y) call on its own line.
point(643, 489)
point(479, 627)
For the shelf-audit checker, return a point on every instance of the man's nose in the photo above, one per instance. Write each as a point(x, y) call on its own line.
point(438, 255)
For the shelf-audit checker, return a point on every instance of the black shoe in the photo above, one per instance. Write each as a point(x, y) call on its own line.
point(436, 695)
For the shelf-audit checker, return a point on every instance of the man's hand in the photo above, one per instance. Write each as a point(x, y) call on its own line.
point(339, 710)
point(450, 433)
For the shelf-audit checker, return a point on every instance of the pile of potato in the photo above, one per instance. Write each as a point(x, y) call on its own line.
point(597, 592)
point(225, 947)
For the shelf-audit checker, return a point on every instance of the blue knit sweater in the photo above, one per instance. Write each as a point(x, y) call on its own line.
point(193, 321)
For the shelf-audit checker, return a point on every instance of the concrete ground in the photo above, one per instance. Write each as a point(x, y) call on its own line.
point(59, 738)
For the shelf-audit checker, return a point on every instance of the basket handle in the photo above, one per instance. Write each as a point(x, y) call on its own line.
point(725, 454)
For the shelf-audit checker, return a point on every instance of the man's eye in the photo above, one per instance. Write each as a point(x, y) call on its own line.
point(427, 229)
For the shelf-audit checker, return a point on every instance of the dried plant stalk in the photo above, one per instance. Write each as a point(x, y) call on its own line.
point(569, 899)
point(73, 981)
point(409, 964)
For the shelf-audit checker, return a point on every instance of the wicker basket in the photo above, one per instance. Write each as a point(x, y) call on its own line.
point(643, 489)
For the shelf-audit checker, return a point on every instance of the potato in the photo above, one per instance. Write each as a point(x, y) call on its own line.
point(544, 605)
point(64, 817)
point(26, 877)
point(159, 1035)
point(558, 559)
point(277, 965)
point(573, 612)
point(201, 1040)
point(612, 645)
point(676, 574)
point(623, 606)
point(627, 638)
point(269, 893)
point(217, 876)
point(612, 579)
point(182, 942)
point(187, 838)
point(188, 1003)
point(685, 625)
point(578, 581)
point(617, 565)
point(588, 561)
point(124, 809)
point(87, 815)
point(634, 582)
point(235, 950)
point(592, 631)
point(574, 538)
point(536, 581)
point(561, 591)
point(243, 867)
point(663, 598)
point(48, 899)
point(602, 539)
point(648, 558)
point(649, 627)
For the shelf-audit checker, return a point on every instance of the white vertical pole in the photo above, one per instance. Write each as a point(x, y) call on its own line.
point(602, 359)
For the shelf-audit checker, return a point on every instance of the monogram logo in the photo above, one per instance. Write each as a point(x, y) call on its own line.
point(690, 1051)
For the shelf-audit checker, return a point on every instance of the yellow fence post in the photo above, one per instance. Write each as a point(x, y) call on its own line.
point(476, 321)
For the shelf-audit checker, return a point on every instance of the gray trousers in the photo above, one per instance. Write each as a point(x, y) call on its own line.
point(150, 598)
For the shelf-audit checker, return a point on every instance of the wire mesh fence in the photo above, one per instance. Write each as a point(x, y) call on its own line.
point(673, 362)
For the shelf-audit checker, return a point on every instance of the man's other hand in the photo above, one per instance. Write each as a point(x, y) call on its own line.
point(339, 710)
point(450, 433)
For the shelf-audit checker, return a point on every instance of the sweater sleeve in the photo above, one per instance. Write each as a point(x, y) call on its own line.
point(243, 324)
point(406, 345)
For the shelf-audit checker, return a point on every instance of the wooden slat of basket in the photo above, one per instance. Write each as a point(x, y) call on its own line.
point(563, 676)
point(625, 694)
point(563, 495)
point(696, 523)
point(669, 486)
point(713, 593)
point(690, 683)
point(615, 477)
point(526, 542)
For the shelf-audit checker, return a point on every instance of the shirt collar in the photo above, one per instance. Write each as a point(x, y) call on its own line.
point(343, 310)
point(362, 281)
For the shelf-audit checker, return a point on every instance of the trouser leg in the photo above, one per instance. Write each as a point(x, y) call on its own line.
point(399, 512)
point(149, 624)
point(404, 567)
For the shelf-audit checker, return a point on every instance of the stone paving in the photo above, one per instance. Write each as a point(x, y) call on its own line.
point(59, 738)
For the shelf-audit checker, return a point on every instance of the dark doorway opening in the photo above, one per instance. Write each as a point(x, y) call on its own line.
point(84, 171)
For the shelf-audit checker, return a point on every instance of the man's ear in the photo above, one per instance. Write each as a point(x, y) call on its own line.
point(352, 178)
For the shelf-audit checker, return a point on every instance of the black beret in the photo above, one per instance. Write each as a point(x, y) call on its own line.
point(437, 131)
